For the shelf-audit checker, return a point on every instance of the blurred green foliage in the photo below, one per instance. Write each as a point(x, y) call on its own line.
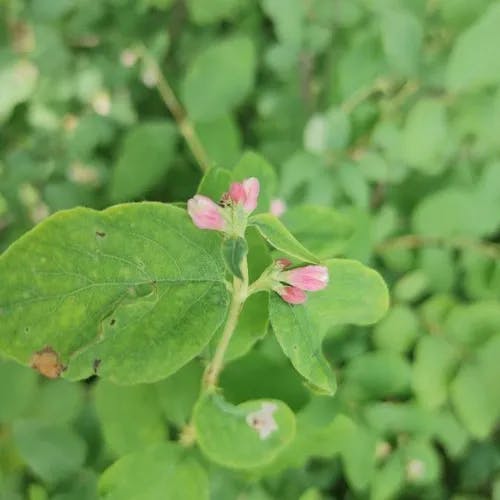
point(388, 111)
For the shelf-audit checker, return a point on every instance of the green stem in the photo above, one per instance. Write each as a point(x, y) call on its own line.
point(239, 295)
point(185, 126)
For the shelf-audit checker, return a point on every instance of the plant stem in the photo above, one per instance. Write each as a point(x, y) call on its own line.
point(186, 128)
point(240, 294)
point(411, 241)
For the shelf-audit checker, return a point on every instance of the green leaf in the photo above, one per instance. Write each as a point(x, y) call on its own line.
point(355, 294)
point(398, 330)
point(322, 229)
point(219, 10)
point(17, 82)
point(18, 386)
point(164, 471)
point(130, 417)
point(379, 374)
point(301, 341)
point(219, 78)
point(52, 452)
point(144, 158)
point(273, 379)
point(221, 139)
point(252, 325)
point(234, 251)
point(273, 230)
point(422, 461)
point(473, 402)
point(59, 401)
point(219, 425)
point(472, 64)
point(425, 136)
point(116, 292)
point(253, 165)
point(215, 183)
point(358, 456)
point(388, 480)
point(402, 36)
point(435, 360)
point(178, 393)
point(328, 132)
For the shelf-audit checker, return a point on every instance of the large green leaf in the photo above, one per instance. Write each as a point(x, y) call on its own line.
point(133, 292)
point(219, 78)
point(145, 156)
point(301, 341)
point(355, 294)
point(225, 434)
point(164, 471)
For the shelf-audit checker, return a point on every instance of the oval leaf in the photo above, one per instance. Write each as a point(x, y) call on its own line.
point(273, 230)
point(114, 292)
point(355, 294)
point(261, 428)
point(164, 471)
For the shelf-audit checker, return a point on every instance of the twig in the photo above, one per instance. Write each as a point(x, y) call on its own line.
point(186, 128)
point(411, 241)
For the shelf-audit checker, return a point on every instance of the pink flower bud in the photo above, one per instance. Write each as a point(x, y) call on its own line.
point(278, 207)
point(245, 193)
point(310, 278)
point(283, 263)
point(205, 213)
point(292, 295)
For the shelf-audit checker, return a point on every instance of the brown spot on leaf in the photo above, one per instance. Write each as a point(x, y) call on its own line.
point(101, 234)
point(47, 362)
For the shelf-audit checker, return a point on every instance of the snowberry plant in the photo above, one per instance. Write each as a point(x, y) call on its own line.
point(134, 292)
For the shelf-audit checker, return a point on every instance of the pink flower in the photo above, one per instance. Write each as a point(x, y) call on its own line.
point(246, 193)
point(310, 278)
point(292, 294)
point(278, 207)
point(205, 213)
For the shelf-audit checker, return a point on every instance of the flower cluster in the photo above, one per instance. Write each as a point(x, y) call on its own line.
point(292, 284)
point(230, 217)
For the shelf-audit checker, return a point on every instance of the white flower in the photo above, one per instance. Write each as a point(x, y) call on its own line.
point(263, 421)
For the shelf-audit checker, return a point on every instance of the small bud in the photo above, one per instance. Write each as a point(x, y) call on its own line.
point(101, 103)
point(292, 295)
point(309, 278)
point(415, 470)
point(283, 263)
point(205, 213)
point(149, 77)
point(263, 421)
point(128, 58)
point(278, 207)
point(245, 193)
